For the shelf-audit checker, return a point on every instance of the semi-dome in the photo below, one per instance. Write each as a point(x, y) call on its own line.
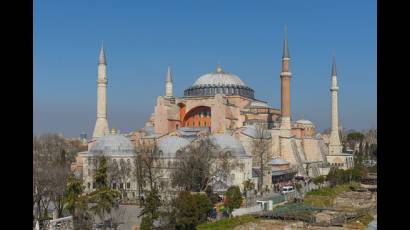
point(112, 144)
point(171, 144)
point(229, 143)
point(219, 81)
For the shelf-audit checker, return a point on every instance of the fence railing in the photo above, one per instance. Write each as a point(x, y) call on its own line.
point(65, 223)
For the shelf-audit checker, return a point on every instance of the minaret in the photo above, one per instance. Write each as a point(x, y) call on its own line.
point(334, 143)
point(285, 77)
point(168, 84)
point(101, 124)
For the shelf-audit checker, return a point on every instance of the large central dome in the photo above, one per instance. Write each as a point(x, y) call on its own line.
point(219, 82)
point(219, 77)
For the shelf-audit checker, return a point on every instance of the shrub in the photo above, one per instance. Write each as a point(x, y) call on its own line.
point(233, 198)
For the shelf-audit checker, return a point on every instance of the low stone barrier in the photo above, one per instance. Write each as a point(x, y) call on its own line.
point(243, 211)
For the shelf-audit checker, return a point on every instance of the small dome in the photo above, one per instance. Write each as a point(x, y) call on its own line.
point(278, 161)
point(304, 122)
point(258, 104)
point(171, 144)
point(112, 144)
point(229, 143)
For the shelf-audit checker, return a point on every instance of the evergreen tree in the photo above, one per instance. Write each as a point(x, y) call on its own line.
point(103, 198)
point(101, 180)
point(361, 148)
point(77, 204)
point(204, 205)
point(233, 198)
point(151, 205)
point(186, 211)
point(73, 195)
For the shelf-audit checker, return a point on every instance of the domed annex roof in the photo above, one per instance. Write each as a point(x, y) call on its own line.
point(219, 82)
point(278, 161)
point(304, 122)
point(171, 144)
point(112, 144)
point(258, 104)
point(229, 143)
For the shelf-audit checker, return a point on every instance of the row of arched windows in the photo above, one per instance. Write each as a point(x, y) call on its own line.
point(210, 91)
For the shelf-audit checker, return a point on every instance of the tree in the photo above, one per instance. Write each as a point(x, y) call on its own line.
point(118, 173)
point(260, 147)
point(204, 205)
point(186, 211)
point(74, 190)
point(77, 204)
point(318, 180)
point(148, 166)
point(52, 157)
point(151, 207)
point(200, 164)
point(233, 198)
point(147, 223)
point(353, 138)
point(103, 198)
point(248, 185)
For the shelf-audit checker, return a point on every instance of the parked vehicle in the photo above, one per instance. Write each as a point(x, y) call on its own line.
point(287, 190)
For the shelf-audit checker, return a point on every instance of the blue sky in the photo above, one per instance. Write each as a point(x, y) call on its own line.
point(142, 38)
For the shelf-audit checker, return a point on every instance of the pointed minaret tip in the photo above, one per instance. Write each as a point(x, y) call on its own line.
point(334, 66)
point(169, 74)
point(285, 45)
point(101, 58)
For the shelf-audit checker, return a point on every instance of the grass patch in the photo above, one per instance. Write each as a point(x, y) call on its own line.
point(227, 223)
point(364, 221)
point(318, 201)
point(324, 197)
point(332, 191)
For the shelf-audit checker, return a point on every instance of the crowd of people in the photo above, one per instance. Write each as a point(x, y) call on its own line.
point(277, 187)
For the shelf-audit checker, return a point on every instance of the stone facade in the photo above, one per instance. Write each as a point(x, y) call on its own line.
point(220, 103)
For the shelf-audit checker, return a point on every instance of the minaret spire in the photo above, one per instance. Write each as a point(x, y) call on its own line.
point(101, 124)
point(168, 83)
point(334, 66)
point(285, 44)
point(335, 147)
point(101, 58)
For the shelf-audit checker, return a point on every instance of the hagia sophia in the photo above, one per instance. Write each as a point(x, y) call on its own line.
point(219, 105)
